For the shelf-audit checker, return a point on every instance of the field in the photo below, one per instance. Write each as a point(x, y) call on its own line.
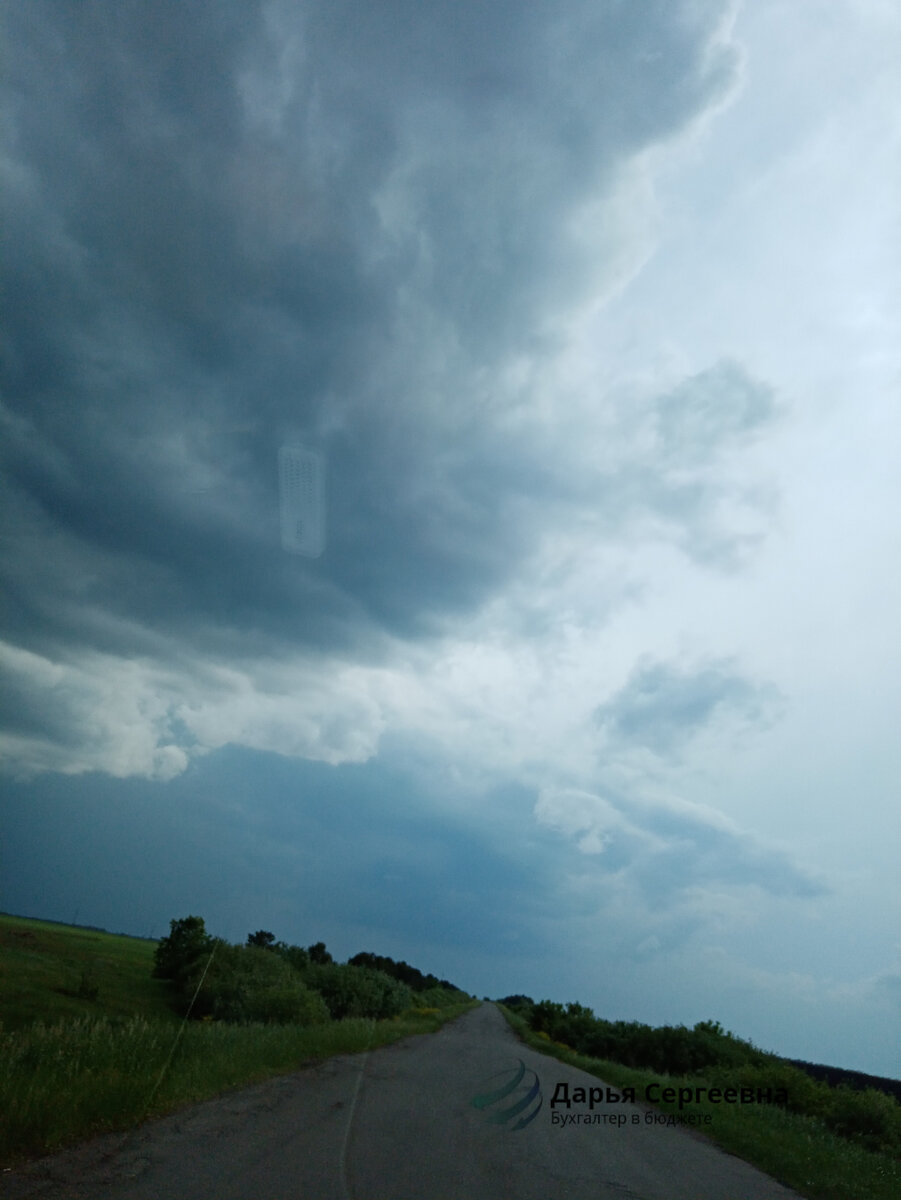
point(89, 1043)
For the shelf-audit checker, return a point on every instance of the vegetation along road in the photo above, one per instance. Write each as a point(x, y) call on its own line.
point(462, 1114)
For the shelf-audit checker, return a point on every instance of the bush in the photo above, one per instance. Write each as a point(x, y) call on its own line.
point(668, 1049)
point(245, 984)
point(88, 987)
point(522, 1005)
point(438, 997)
point(358, 991)
point(295, 955)
point(871, 1118)
point(803, 1094)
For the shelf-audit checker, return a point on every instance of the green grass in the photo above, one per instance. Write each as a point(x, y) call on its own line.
point(72, 1067)
point(797, 1150)
point(49, 972)
point(64, 1082)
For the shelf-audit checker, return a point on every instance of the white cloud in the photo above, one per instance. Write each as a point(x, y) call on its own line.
point(574, 812)
point(97, 713)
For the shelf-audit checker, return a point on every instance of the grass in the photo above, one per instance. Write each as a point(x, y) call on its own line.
point(797, 1150)
point(52, 972)
point(89, 1044)
point(64, 1082)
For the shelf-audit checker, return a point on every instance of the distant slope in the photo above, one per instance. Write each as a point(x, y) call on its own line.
point(836, 1076)
point(50, 972)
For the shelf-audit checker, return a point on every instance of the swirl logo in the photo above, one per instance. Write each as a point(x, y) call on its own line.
point(523, 1089)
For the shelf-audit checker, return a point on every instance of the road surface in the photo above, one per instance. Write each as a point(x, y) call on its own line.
point(399, 1123)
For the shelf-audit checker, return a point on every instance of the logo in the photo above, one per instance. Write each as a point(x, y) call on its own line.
point(522, 1089)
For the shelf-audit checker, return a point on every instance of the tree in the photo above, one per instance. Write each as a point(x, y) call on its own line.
point(261, 938)
point(188, 941)
point(319, 954)
point(295, 955)
point(412, 977)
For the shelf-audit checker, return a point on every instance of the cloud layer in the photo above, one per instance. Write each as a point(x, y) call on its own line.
point(527, 695)
point(233, 224)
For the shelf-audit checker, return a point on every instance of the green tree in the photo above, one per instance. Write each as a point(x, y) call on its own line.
point(295, 955)
point(187, 943)
point(262, 938)
point(318, 954)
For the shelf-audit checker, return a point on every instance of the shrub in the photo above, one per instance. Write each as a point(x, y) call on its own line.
point(803, 1094)
point(350, 991)
point(547, 1015)
point(245, 984)
point(520, 1004)
point(871, 1118)
point(88, 987)
point(439, 997)
point(295, 955)
point(668, 1050)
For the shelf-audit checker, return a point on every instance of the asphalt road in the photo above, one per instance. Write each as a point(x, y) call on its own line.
point(399, 1123)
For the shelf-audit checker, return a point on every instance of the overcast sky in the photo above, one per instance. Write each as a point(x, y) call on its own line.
point(589, 313)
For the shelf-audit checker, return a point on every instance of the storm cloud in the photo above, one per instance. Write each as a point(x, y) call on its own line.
point(566, 302)
point(231, 223)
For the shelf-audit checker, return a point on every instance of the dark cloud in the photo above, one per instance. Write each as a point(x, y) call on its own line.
point(249, 840)
point(229, 225)
point(227, 221)
point(663, 706)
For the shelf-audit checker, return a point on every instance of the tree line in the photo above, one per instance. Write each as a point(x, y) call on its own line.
point(266, 980)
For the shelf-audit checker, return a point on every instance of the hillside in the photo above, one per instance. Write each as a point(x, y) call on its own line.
point(50, 972)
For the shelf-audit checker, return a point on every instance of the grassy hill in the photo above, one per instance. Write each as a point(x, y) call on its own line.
point(51, 972)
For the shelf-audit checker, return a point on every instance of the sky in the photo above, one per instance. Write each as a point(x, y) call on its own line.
point(578, 672)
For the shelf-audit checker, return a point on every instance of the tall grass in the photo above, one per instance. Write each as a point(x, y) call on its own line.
point(65, 1081)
